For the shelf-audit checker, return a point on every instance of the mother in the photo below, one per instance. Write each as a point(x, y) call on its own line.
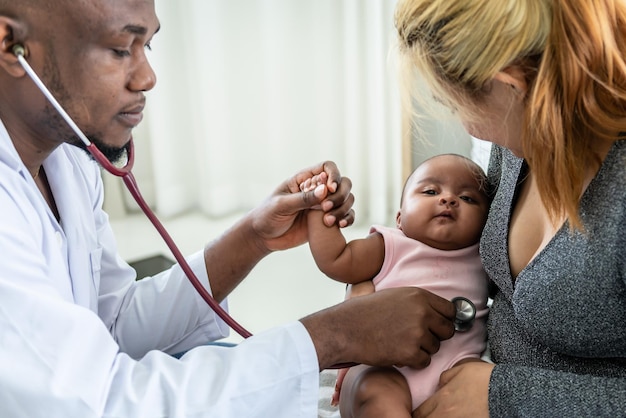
point(545, 81)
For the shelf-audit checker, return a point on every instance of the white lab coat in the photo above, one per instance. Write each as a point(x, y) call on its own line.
point(79, 336)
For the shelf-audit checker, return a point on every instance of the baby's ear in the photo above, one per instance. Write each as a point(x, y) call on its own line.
point(399, 220)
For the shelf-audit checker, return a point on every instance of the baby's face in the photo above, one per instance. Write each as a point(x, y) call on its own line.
point(443, 205)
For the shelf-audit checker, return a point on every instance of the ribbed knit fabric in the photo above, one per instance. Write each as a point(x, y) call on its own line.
point(558, 332)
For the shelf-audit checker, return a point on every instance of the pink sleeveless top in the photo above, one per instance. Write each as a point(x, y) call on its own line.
point(448, 274)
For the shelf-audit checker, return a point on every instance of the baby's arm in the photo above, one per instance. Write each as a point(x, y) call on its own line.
point(348, 262)
point(352, 262)
point(360, 289)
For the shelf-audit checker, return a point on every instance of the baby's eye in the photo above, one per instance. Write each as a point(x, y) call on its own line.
point(430, 192)
point(468, 199)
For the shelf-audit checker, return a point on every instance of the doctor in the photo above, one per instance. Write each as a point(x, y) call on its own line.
point(79, 337)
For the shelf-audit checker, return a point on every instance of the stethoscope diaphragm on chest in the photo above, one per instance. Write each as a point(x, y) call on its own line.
point(465, 314)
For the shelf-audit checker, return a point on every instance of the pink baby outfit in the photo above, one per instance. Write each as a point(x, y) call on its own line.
point(448, 274)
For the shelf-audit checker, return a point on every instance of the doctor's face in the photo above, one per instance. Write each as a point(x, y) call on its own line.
point(97, 68)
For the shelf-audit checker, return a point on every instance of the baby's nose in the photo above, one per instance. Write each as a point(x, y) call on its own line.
point(448, 200)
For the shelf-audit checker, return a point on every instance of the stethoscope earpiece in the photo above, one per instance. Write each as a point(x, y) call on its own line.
point(129, 180)
point(465, 314)
point(19, 50)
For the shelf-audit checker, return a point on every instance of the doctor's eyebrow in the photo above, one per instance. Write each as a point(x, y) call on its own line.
point(138, 29)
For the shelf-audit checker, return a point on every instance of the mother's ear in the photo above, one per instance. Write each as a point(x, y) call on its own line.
point(514, 76)
point(11, 34)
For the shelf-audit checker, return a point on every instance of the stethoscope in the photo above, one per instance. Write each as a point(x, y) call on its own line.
point(465, 313)
point(129, 180)
point(465, 309)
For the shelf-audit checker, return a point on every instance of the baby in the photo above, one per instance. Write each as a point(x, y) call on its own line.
point(434, 246)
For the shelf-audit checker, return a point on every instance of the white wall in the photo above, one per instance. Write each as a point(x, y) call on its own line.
point(250, 91)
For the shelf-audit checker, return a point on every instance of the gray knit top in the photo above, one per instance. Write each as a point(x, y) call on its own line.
point(558, 331)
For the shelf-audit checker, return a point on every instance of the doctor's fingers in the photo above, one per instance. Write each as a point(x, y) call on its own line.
point(428, 311)
point(343, 215)
point(420, 352)
point(409, 328)
point(338, 205)
point(424, 326)
point(412, 352)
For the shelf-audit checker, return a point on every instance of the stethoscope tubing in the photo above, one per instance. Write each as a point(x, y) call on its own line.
point(131, 185)
point(125, 173)
point(129, 180)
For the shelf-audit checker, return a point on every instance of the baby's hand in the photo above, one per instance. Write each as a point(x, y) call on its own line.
point(319, 183)
point(313, 182)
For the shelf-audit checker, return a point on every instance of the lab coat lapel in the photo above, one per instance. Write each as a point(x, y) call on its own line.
point(73, 203)
point(53, 245)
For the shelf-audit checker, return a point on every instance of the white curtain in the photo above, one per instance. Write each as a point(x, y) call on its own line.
point(250, 91)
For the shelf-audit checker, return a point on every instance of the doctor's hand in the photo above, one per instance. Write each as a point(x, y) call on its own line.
point(280, 221)
point(463, 392)
point(276, 224)
point(401, 327)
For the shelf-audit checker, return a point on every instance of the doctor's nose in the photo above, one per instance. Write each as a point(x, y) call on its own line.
point(143, 77)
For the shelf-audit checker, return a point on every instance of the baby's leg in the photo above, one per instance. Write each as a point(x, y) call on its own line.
point(377, 392)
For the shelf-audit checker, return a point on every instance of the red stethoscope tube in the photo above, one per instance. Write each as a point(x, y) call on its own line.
point(129, 180)
point(465, 309)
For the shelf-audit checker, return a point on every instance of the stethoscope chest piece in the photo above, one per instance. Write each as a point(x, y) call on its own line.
point(465, 314)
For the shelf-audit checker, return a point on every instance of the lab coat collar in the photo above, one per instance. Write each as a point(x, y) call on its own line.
point(9, 155)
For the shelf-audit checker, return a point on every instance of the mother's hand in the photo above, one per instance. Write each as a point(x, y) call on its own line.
point(463, 392)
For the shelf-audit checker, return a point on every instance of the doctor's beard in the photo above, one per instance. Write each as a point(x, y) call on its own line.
point(116, 155)
point(56, 123)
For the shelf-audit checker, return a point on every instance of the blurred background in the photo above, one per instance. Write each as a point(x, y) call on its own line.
point(248, 93)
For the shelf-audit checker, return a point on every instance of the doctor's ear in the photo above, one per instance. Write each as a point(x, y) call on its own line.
point(11, 33)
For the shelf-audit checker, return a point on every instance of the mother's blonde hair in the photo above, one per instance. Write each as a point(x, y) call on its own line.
point(572, 53)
